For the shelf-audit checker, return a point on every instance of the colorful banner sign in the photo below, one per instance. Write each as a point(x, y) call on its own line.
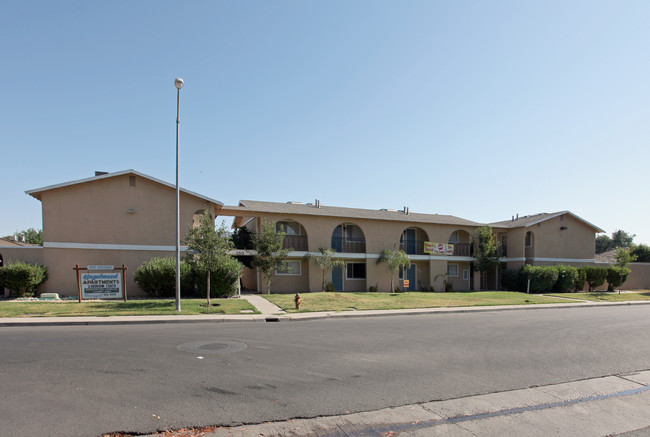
point(101, 285)
point(438, 248)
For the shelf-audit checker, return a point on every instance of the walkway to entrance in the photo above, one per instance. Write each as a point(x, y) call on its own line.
point(262, 305)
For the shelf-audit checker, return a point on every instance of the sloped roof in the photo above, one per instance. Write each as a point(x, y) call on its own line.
point(248, 208)
point(530, 220)
point(36, 193)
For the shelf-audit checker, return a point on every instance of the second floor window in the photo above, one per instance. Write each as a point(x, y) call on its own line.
point(289, 228)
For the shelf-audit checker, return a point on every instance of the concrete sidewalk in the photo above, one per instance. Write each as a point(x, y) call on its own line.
point(605, 406)
point(272, 313)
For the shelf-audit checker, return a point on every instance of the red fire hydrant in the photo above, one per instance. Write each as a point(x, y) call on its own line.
point(297, 299)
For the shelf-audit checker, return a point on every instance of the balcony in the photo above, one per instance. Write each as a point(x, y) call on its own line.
point(463, 249)
point(295, 242)
point(347, 245)
point(412, 247)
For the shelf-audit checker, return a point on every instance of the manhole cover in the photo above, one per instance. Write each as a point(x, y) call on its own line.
point(212, 347)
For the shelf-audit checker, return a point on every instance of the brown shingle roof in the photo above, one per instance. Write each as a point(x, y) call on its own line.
point(248, 208)
point(530, 220)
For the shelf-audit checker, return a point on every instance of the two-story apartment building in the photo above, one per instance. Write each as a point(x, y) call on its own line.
point(359, 236)
point(128, 217)
point(125, 217)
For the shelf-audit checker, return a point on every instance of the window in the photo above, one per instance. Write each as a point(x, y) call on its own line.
point(355, 271)
point(131, 181)
point(529, 239)
point(289, 228)
point(352, 233)
point(465, 275)
point(452, 270)
point(453, 238)
point(293, 269)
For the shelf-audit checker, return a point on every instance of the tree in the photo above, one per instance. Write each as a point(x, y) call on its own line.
point(326, 262)
point(618, 239)
point(32, 236)
point(243, 240)
point(271, 254)
point(642, 253)
point(485, 249)
point(618, 274)
point(209, 248)
point(394, 259)
point(22, 278)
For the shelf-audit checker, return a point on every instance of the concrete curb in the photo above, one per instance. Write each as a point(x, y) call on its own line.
point(293, 317)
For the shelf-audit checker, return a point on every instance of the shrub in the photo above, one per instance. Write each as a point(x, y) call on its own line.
point(431, 289)
point(223, 281)
point(330, 287)
point(449, 287)
point(542, 278)
point(566, 279)
point(616, 276)
point(22, 278)
point(513, 280)
point(595, 276)
point(157, 277)
point(372, 289)
point(397, 290)
point(581, 279)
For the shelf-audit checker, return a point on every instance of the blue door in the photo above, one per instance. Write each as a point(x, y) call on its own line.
point(412, 277)
point(337, 278)
point(337, 241)
point(410, 241)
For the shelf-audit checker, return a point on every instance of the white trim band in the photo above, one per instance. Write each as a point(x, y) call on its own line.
point(96, 246)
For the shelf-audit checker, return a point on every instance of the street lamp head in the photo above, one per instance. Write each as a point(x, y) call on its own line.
point(178, 82)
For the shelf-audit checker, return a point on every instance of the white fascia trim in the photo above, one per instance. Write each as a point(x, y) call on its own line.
point(20, 247)
point(565, 260)
point(522, 259)
point(96, 246)
point(121, 173)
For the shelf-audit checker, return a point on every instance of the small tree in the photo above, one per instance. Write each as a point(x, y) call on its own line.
point(326, 262)
point(485, 250)
point(32, 236)
point(394, 259)
point(616, 275)
point(642, 253)
point(208, 248)
point(271, 255)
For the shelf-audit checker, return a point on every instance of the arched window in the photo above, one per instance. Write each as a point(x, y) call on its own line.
point(348, 238)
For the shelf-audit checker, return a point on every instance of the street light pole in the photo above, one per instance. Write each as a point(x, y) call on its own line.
point(178, 82)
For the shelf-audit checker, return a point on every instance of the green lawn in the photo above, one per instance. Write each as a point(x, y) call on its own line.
point(130, 308)
point(606, 296)
point(388, 301)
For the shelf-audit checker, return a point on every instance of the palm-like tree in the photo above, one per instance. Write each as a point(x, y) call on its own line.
point(326, 262)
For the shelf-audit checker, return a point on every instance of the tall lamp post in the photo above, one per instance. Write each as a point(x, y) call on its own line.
point(178, 82)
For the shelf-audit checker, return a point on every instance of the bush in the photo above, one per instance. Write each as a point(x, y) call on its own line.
point(616, 276)
point(372, 289)
point(581, 279)
point(449, 287)
point(595, 276)
point(223, 281)
point(330, 287)
point(157, 277)
point(542, 278)
point(22, 278)
point(513, 280)
point(566, 279)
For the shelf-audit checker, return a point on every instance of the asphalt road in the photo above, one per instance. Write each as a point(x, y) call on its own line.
point(85, 381)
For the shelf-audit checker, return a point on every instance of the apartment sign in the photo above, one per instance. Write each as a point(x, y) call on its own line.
point(438, 248)
point(101, 285)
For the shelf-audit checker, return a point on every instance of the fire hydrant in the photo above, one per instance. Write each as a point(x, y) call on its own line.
point(297, 299)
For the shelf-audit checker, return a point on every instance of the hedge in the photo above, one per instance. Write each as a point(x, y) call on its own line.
point(22, 278)
point(595, 276)
point(542, 278)
point(616, 276)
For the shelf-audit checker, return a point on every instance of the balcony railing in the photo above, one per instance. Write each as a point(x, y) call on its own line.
point(503, 251)
point(413, 247)
point(344, 245)
point(295, 242)
point(463, 249)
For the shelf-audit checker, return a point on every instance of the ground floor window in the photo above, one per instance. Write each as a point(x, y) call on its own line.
point(452, 270)
point(293, 268)
point(465, 275)
point(355, 271)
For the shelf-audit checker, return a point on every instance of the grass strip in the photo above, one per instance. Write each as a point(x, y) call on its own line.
point(339, 301)
point(606, 296)
point(153, 307)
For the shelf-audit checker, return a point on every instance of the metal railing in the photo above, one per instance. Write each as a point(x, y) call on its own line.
point(295, 242)
point(344, 245)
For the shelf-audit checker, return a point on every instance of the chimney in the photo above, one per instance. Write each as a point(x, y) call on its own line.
point(317, 203)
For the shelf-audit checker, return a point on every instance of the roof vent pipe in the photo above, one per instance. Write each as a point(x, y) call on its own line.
point(517, 216)
point(513, 218)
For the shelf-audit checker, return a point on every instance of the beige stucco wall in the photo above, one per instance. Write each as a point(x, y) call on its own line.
point(96, 212)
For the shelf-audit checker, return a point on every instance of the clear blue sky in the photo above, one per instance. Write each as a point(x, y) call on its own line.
point(477, 109)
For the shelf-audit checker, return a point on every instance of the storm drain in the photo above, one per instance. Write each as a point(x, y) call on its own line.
point(212, 347)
